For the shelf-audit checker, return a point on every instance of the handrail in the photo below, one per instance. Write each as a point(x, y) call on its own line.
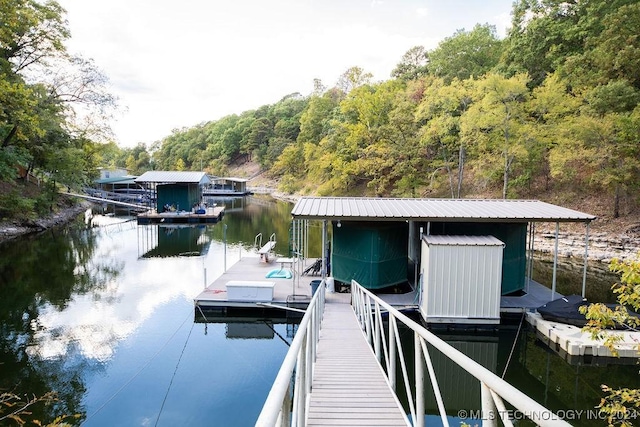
point(255, 241)
point(369, 309)
point(286, 407)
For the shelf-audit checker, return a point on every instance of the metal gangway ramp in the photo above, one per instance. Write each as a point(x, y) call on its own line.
point(349, 386)
point(328, 378)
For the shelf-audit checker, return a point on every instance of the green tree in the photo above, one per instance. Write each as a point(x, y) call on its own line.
point(353, 78)
point(552, 109)
point(621, 405)
point(290, 165)
point(412, 65)
point(601, 151)
point(440, 113)
point(41, 90)
point(466, 54)
point(495, 122)
point(611, 49)
point(542, 34)
point(315, 120)
point(31, 33)
point(588, 38)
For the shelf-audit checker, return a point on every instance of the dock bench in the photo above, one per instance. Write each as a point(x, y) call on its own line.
point(265, 250)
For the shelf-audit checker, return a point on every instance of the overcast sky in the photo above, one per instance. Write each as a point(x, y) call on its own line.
point(175, 64)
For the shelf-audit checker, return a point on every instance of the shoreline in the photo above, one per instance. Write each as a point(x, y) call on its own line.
point(14, 229)
point(603, 247)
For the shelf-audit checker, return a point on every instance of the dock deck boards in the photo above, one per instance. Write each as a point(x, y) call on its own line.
point(252, 268)
point(349, 387)
point(286, 290)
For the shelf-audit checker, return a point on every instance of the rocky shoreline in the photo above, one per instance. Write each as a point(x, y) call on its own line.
point(602, 247)
point(11, 230)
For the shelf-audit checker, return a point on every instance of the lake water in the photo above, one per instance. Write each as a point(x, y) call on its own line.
point(104, 316)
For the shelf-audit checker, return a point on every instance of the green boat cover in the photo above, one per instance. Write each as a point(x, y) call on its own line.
point(373, 254)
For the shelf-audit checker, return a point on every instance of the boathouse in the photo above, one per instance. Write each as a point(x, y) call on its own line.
point(384, 242)
point(176, 191)
point(226, 186)
point(178, 197)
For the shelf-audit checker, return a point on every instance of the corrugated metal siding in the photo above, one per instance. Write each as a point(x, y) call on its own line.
point(367, 208)
point(459, 281)
point(174, 177)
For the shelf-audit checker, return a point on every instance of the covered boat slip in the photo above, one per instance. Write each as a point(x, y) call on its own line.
point(178, 197)
point(379, 243)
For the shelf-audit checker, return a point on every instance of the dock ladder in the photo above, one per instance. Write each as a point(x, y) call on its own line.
point(264, 250)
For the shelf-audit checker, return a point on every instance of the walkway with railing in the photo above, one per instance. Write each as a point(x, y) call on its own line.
point(349, 386)
point(327, 374)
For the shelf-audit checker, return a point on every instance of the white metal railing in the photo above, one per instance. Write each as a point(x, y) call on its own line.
point(388, 349)
point(287, 402)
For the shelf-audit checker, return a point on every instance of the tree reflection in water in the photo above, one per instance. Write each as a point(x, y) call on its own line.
point(38, 274)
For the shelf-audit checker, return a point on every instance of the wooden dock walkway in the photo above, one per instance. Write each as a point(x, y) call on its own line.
point(349, 387)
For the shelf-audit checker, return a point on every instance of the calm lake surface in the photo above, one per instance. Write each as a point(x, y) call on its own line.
point(103, 314)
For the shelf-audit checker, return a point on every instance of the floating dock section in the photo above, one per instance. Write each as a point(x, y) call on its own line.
point(571, 340)
point(245, 286)
point(210, 216)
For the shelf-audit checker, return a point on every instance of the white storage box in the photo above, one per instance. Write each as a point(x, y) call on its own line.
point(246, 290)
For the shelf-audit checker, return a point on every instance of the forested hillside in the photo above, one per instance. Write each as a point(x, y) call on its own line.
point(551, 109)
point(550, 112)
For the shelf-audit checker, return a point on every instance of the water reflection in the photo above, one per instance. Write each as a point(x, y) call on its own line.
point(160, 241)
point(92, 324)
point(569, 277)
point(105, 318)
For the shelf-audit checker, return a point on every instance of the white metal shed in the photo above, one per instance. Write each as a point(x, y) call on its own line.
point(460, 279)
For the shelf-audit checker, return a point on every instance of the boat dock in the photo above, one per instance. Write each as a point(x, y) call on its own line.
point(260, 292)
point(252, 270)
point(210, 216)
point(349, 386)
